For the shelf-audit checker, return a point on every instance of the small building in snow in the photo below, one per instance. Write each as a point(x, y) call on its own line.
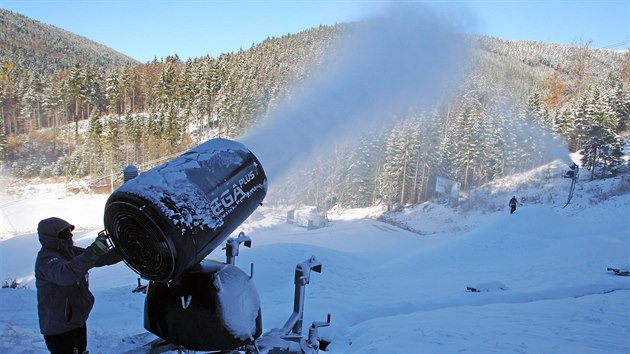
point(306, 216)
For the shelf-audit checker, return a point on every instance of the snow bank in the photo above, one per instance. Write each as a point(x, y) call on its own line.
point(391, 290)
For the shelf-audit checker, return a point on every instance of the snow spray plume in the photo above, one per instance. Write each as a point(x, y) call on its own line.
point(529, 131)
point(549, 146)
point(403, 58)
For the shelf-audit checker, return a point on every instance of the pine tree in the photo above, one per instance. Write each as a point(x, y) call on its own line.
point(390, 175)
point(187, 93)
point(168, 125)
point(563, 124)
point(53, 102)
point(359, 182)
point(32, 106)
point(591, 153)
point(582, 120)
point(468, 142)
point(133, 138)
point(619, 100)
point(13, 82)
point(77, 91)
point(602, 152)
point(130, 89)
point(3, 141)
point(94, 143)
point(206, 95)
point(112, 149)
point(113, 94)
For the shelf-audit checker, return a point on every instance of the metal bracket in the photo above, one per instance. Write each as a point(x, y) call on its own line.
point(302, 277)
point(313, 333)
point(140, 288)
point(104, 234)
point(232, 246)
point(289, 339)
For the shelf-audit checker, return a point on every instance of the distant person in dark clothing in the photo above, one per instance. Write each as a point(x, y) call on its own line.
point(512, 204)
point(64, 300)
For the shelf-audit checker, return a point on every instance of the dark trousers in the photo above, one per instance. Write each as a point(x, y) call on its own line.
point(512, 208)
point(72, 342)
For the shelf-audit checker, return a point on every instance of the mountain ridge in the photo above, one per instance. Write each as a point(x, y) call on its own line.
point(45, 48)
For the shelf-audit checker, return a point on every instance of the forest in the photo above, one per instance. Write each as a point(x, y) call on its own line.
point(90, 121)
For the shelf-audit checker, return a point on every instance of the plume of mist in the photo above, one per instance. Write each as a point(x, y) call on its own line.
point(404, 57)
point(529, 131)
point(549, 146)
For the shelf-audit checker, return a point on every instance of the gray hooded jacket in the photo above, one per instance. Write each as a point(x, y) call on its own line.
point(64, 300)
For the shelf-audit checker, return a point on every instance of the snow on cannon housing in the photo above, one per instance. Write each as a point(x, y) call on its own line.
point(165, 221)
point(168, 219)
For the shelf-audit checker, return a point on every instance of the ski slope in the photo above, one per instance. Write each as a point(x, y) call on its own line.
point(388, 290)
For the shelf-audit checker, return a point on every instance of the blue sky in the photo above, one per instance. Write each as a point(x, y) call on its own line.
point(147, 29)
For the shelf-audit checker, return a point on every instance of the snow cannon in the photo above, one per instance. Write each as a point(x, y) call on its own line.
point(166, 220)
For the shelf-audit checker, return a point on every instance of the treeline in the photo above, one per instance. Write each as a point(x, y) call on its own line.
point(519, 100)
point(472, 141)
point(61, 124)
point(523, 104)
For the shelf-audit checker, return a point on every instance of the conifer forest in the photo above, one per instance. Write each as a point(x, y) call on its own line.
point(89, 120)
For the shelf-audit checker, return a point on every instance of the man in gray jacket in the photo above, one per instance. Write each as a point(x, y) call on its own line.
point(64, 300)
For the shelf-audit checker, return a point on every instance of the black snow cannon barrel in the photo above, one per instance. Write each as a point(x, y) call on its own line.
point(168, 219)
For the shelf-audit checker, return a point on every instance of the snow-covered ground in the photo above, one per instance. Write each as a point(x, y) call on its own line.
point(396, 287)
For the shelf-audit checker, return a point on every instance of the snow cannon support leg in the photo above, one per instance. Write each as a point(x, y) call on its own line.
point(288, 339)
point(232, 245)
point(302, 277)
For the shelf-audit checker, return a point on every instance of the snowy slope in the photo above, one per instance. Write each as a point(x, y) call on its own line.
point(388, 290)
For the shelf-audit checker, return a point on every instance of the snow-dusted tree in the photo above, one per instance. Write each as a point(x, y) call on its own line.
point(77, 92)
point(13, 82)
point(207, 81)
point(582, 122)
point(611, 155)
point(536, 108)
point(133, 138)
point(359, 183)
point(187, 88)
point(150, 138)
point(602, 152)
point(494, 144)
point(3, 141)
point(209, 92)
point(166, 107)
point(54, 101)
point(395, 157)
point(113, 94)
point(32, 103)
point(112, 149)
point(427, 154)
point(468, 141)
point(130, 88)
point(94, 144)
point(619, 101)
point(564, 124)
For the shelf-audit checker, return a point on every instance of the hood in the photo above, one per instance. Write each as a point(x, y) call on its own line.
point(48, 230)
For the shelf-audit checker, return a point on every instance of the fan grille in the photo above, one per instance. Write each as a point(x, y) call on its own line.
point(140, 241)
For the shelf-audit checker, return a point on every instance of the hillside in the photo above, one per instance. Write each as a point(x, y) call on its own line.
point(515, 98)
point(43, 48)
